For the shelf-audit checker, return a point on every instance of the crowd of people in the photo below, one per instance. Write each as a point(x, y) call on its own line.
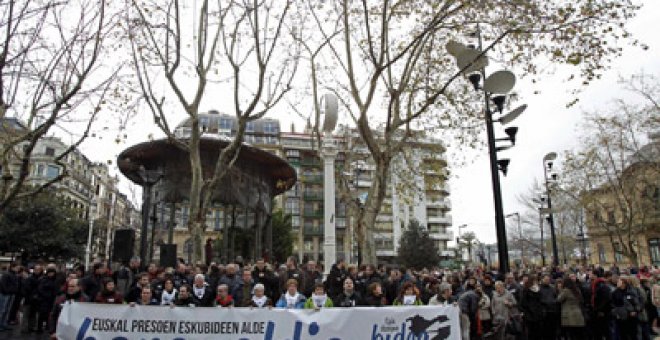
point(529, 303)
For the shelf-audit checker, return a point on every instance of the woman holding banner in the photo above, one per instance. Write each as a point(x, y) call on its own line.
point(259, 298)
point(319, 298)
point(292, 299)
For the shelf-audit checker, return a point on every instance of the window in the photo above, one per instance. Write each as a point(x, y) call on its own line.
point(218, 220)
point(308, 245)
point(654, 250)
point(50, 151)
point(292, 207)
point(618, 256)
point(39, 170)
point(271, 127)
point(610, 217)
point(52, 171)
point(225, 124)
point(249, 127)
point(601, 253)
point(295, 222)
point(204, 123)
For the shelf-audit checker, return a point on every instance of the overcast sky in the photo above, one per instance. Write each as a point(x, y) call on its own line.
point(547, 125)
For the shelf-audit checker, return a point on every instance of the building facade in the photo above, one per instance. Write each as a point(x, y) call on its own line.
point(424, 197)
point(639, 193)
point(85, 186)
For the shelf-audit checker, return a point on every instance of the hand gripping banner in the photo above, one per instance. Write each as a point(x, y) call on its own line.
point(88, 321)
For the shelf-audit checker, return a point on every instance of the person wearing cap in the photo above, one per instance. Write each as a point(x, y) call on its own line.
point(259, 298)
point(291, 299)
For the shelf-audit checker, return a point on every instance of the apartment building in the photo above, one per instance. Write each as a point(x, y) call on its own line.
point(86, 183)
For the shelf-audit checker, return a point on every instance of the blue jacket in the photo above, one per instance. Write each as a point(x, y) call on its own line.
point(300, 302)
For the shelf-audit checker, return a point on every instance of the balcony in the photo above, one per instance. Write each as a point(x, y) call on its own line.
point(313, 231)
point(311, 178)
point(310, 162)
point(383, 218)
point(313, 196)
point(444, 220)
point(313, 213)
point(441, 235)
point(440, 203)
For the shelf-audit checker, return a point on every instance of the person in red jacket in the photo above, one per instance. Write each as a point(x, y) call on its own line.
point(109, 294)
point(73, 293)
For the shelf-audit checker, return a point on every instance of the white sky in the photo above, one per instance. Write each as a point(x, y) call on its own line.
point(546, 126)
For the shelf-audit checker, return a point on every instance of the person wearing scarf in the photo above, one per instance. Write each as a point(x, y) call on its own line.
point(259, 299)
point(319, 299)
point(168, 295)
point(73, 294)
point(291, 298)
point(108, 294)
point(202, 294)
point(223, 299)
point(409, 296)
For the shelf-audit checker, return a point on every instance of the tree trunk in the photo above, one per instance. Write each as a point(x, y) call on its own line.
point(367, 216)
point(197, 208)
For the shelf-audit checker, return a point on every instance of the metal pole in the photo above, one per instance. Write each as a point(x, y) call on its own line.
point(88, 249)
point(542, 239)
point(551, 220)
point(522, 242)
point(146, 203)
point(170, 234)
point(329, 153)
point(502, 248)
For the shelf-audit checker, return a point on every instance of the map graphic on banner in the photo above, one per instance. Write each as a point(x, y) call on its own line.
point(88, 321)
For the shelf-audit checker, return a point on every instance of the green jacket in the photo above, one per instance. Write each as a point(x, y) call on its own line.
point(309, 304)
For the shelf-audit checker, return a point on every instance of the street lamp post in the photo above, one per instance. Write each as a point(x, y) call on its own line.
point(547, 165)
point(88, 249)
point(472, 63)
point(520, 235)
point(149, 178)
point(458, 240)
point(329, 107)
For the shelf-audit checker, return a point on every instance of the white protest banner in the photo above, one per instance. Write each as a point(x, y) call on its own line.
point(88, 321)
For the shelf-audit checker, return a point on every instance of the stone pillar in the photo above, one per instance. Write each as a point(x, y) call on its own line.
point(329, 153)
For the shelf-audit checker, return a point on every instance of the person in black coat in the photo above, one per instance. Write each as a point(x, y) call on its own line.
point(532, 308)
point(261, 274)
point(93, 283)
point(73, 293)
point(47, 290)
point(601, 301)
point(9, 289)
point(626, 308)
point(31, 299)
point(335, 281)
point(202, 294)
point(548, 295)
point(348, 297)
point(375, 296)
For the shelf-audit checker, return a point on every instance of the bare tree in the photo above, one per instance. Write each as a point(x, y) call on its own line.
point(51, 76)
point(614, 173)
point(389, 68)
point(240, 44)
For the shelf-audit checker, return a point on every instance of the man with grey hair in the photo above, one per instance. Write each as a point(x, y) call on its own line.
point(202, 293)
point(443, 295)
point(233, 281)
